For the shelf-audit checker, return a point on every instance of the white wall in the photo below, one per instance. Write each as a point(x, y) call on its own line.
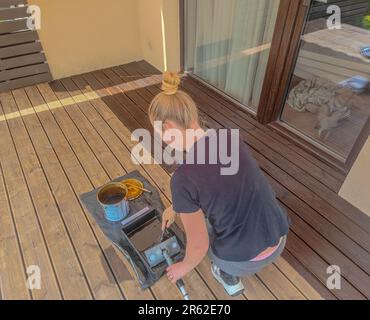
point(356, 188)
point(84, 35)
point(160, 33)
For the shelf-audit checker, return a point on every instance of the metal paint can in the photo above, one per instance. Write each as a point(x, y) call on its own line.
point(112, 198)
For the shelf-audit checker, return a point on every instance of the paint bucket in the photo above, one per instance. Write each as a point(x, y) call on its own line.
point(112, 198)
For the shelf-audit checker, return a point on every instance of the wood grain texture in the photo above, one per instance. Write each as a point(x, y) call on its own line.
point(22, 61)
point(13, 25)
point(34, 59)
point(64, 138)
point(19, 37)
point(14, 13)
point(20, 49)
point(25, 81)
point(31, 235)
point(8, 3)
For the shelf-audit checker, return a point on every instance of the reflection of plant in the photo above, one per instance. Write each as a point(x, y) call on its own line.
point(366, 22)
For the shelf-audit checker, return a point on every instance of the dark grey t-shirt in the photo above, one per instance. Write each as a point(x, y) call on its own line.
point(242, 208)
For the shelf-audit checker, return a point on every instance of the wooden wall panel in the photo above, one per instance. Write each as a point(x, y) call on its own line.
point(8, 3)
point(22, 61)
point(17, 38)
point(13, 13)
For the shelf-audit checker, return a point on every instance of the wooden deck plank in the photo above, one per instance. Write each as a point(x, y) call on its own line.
point(327, 230)
point(303, 286)
point(95, 120)
point(77, 131)
point(31, 238)
point(61, 169)
point(91, 143)
point(12, 268)
point(324, 248)
point(14, 13)
point(256, 289)
point(317, 266)
point(8, 3)
point(68, 270)
point(310, 278)
point(278, 284)
point(18, 37)
point(98, 177)
point(20, 49)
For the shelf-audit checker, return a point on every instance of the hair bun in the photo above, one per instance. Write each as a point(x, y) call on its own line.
point(170, 83)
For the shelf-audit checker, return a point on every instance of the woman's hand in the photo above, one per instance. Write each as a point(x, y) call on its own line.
point(168, 218)
point(178, 271)
point(196, 247)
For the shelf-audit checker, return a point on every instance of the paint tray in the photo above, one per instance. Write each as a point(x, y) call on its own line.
point(144, 211)
point(142, 236)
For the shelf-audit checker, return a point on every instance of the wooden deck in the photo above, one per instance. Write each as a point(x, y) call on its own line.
point(64, 138)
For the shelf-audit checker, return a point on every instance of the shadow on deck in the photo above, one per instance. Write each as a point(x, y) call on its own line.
point(64, 138)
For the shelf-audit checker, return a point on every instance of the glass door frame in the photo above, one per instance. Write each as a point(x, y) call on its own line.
point(273, 107)
point(285, 24)
point(290, 23)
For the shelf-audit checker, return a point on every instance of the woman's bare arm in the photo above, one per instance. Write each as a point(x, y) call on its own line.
point(197, 238)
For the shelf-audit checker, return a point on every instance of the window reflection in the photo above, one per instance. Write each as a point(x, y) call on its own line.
point(329, 95)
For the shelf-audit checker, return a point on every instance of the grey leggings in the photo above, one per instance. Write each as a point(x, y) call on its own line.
point(244, 268)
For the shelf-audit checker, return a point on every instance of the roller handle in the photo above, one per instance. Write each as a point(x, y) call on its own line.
point(179, 283)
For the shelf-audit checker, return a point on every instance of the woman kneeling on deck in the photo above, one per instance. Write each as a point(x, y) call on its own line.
point(234, 217)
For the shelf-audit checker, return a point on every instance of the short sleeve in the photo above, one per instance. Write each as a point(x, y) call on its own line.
point(184, 194)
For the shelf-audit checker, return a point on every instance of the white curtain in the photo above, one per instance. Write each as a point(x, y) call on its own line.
point(228, 44)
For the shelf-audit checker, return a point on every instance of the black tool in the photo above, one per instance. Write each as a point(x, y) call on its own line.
point(164, 231)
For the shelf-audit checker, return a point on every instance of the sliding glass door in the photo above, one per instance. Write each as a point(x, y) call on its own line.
point(227, 44)
point(328, 101)
point(316, 84)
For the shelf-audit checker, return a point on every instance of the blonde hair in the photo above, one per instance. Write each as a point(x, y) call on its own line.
point(173, 104)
